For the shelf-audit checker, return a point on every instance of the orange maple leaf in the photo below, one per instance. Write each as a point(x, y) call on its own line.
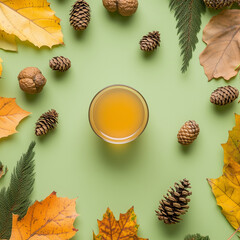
point(125, 229)
point(226, 188)
point(10, 116)
point(50, 219)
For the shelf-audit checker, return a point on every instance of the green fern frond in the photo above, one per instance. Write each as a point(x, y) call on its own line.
point(16, 198)
point(196, 237)
point(188, 15)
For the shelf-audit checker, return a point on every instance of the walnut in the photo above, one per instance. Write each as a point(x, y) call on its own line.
point(124, 7)
point(31, 80)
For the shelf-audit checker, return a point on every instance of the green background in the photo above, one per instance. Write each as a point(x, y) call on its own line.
point(74, 162)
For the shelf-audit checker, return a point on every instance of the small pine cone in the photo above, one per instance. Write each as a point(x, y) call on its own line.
point(224, 95)
point(188, 133)
point(80, 15)
point(150, 42)
point(61, 64)
point(46, 122)
point(218, 4)
point(175, 203)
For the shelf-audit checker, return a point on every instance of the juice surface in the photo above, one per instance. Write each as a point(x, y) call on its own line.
point(119, 113)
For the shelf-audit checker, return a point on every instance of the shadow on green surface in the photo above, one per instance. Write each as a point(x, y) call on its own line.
point(60, 75)
point(46, 138)
point(116, 17)
point(122, 155)
point(80, 34)
point(31, 98)
point(9, 138)
point(148, 55)
point(187, 149)
point(223, 110)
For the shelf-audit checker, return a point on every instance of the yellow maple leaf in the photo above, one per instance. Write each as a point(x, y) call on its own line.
point(50, 219)
point(8, 42)
point(226, 188)
point(231, 148)
point(10, 116)
point(31, 20)
point(126, 228)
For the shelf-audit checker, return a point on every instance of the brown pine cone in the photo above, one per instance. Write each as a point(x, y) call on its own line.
point(175, 203)
point(188, 133)
point(46, 122)
point(218, 4)
point(61, 63)
point(150, 42)
point(224, 95)
point(80, 15)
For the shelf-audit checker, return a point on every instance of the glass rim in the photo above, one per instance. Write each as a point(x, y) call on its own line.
point(120, 86)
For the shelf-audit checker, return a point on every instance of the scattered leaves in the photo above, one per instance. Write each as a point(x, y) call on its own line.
point(188, 15)
point(222, 55)
point(50, 219)
point(8, 42)
point(10, 116)
point(196, 237)
point(126, 228)
point(227, 187)
point(3, 170)
point(32, 20)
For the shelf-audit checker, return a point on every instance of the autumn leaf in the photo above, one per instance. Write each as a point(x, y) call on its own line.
point(1, 68)
point(227, 187)
point(3, 170)
point(10, 116)
point(222, 55)
point(231, 148)
point(126, 228)
point(8, 42)
point(51, 219)
point(31, 20)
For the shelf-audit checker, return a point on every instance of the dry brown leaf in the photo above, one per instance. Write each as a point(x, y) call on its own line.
point(3, 170)
point(31, 20)
point(10, 116)
point(227, 187)
point(222, 55)
point(51, 219)
point(8, 42)
point(126, 228)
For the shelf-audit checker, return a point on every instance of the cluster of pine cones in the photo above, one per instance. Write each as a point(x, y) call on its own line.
point(80, 18)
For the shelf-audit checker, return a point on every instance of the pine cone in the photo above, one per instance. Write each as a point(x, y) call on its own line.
point(46, 122)
point(150, 42)
point(188, 133)
point(224, 95)
point(175, 203)
point(61, 64)
point(80, 15)
point(196, 237)
point(218, 4)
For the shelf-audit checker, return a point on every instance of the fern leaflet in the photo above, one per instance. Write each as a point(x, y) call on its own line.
point(188, 15)
point(16, 198)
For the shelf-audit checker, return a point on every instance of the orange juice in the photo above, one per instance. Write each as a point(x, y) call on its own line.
point(118, 114)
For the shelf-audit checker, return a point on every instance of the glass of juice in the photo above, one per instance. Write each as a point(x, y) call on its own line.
point(118, 114)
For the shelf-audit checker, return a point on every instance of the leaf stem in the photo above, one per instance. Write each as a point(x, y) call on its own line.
point(237, 67)
point(234, 234)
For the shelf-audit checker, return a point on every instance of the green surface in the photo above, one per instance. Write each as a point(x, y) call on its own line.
point(76, 163)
